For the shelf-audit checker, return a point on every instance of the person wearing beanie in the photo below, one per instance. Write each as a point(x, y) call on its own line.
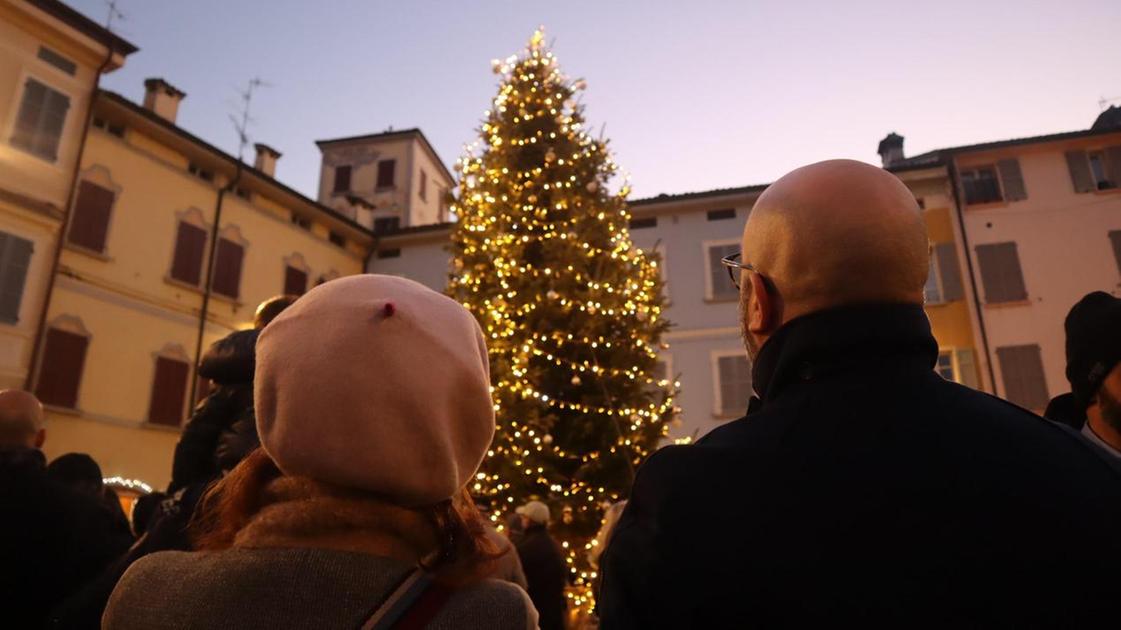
point(543, 562)
point(373, 406)
point(1093, 349)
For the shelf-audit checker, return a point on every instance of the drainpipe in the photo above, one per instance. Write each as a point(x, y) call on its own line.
point(954, 183)
point(56, 257)
point(212, 254)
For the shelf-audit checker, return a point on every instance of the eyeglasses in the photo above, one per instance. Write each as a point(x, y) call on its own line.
point(734, 263)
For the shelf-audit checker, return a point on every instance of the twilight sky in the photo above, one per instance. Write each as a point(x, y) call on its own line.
point(695, 94)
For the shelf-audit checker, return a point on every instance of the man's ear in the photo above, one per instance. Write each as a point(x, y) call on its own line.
point(40, 438)
point(763, 315)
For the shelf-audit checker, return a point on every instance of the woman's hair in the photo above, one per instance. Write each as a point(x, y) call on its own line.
point(463, 552)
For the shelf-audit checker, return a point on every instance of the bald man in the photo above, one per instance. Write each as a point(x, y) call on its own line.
point(861, 488)
point(52, 539)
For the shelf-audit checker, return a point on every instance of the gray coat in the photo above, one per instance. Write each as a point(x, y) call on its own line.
point(289, 588)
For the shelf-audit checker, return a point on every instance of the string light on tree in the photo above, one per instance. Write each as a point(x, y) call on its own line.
point(571, 308)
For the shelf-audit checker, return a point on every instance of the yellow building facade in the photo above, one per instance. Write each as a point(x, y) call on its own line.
point(155, 213)
point(51, 58)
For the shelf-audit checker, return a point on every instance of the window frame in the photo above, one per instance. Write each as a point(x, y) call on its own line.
point(68, 121)
point(378, 185)
point(296, 261)
point(100, 176)
point(992, 167)
point(423, 192)
point(176, 353)
point(194, 217)
point(72, 325)
point(707, 261)
point(19, 304)
point(1046, 392)
point(335, 188)
point(231, 234)
point(989, 301)
point(718, 411)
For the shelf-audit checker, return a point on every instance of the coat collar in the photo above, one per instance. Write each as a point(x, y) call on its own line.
point(811, 346)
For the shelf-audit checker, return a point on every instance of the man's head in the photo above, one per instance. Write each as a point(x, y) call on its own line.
point(534, 513)
point(270, 308)
point(21, 420)
point(829, 234)
point(1093, 348)
point(79, 472)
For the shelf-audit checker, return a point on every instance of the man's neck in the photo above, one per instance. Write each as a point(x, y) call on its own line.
point(1105, 432)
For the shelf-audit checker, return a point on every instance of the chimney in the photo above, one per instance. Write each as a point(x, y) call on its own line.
point(162, 98)
point(891, 149)
point(266, 159)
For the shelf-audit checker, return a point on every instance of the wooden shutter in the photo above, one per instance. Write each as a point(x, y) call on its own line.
point(295, 281)
point(1079, 168)
point(15, 257)
point(90, 223)
point(1113, 157)
point(423, 185)
point(735, 384)
point(41, 117)
point(169, 390)
point(932, 290)
point(1021, 368)
point(60, 374)
point(1012, 180)
point(967, 368)
point(342, 178)
point(386, 171)
point(1115, 240)
point(1000, 273)
point(190, 245)
point(722, 286)
point(227, 268)
point(949, 272)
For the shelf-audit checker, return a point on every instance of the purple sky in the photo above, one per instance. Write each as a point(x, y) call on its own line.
point(695, 95)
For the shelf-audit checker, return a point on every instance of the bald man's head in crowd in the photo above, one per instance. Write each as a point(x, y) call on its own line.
point(21, 420)
point(830, 234)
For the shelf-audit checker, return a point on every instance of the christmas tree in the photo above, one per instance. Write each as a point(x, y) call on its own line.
point(571, 308)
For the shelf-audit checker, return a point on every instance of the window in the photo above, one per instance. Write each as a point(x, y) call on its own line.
point(342, 179)
point(662, 372)
point(423, 185)
point(720, 286)
point(981, 185)
point(169, 391)
point(57, 60)
point(1098, 169)
point(336, 238)
point(90, 223)
point(300, 221)
point(386, 169)
point(386, 224)
point(719, 215)
point(15, 258)
point(295, 281)
point(200, 172)
point(190, 246)
point(1022, 370)
point(644, 222)
point(389, 253)
point(113, 128)
point(957, 365)
point(244, 193)
point(227, 268)
point(42, 115)
point(733, 384)
point(1000, 273)
point(944, 282)
point(1115, 240)
point(64, 357)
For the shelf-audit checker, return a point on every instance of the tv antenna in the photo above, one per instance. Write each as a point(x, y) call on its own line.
point(114, 13)
point(242, 120)
point(1103, 101)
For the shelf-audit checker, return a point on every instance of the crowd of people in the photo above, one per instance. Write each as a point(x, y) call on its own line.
point(311, 490)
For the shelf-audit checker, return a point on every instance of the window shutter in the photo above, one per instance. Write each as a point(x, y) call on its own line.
point(54, 117)
point(949, 272)
point(423, 185)
point(967, 368)
point(1113, 157)
point(169, 389)
point(722, 286)
point(342, 178)
point(1115, 240)
point(932, 292)
point(1012, 180)
point(90, 223)
point(190, 243)
point(1080, 171)
point(227, 268)
point(735, 384)
point(15, 257)
point(64, 356)
point(31, 112)
point(1000, 273)
point(386, 170)
point(295, 281)
point(1022, 370)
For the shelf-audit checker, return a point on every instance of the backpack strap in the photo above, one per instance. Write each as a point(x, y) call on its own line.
point(411, 605)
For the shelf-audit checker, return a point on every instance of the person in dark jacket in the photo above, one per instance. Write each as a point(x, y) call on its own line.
point(543, 563)
point(52, 539)
point(861, 489)
point(81, 473)
point(1093, 349)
